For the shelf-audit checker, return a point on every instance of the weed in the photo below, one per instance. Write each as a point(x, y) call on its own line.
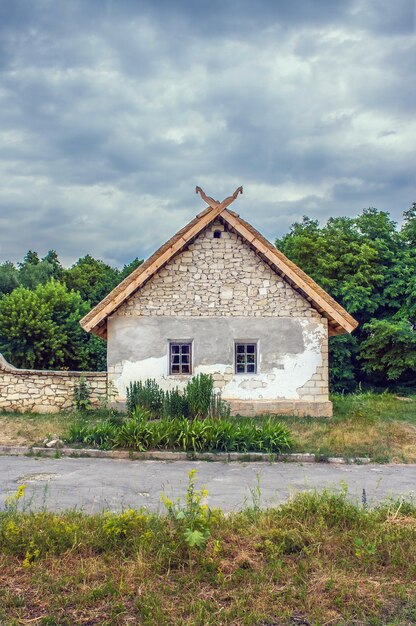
point(193, 519)
point(146, 395)
point(197, 401)
point(119, 527)
point(198, 393)
point(255, 493)
point(82, 401)
point(317, 559)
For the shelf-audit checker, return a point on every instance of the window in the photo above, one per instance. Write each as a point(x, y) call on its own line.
point(180, 358)
point(245, 358)
point(217, 234)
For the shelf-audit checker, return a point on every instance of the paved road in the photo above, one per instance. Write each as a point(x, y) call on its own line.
point(96, 484)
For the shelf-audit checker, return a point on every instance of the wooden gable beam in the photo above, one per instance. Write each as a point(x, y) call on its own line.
point(286, 270)
point(136, 283)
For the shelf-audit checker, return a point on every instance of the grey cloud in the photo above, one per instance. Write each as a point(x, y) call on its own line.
point(111, 112)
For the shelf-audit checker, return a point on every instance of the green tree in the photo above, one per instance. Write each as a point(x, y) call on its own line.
point(9, 278)
point(368, 266)
point(93, 279)
point(129, 268)
point(40, 329)
point(34, 272)
point(53, 260)
point(389, 350)
point(31, 258)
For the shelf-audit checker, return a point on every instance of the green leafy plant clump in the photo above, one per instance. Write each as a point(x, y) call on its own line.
point(139, 432)
point(197, 401)
point(82, 393)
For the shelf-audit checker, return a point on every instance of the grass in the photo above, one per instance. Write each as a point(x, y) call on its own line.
point(317, 560)
point(378, 426)
point(27, 429)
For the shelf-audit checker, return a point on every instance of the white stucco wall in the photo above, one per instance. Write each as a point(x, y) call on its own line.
point(291, 354)
point(217, 292)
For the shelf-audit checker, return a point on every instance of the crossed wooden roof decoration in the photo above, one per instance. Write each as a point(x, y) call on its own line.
point(339, 320)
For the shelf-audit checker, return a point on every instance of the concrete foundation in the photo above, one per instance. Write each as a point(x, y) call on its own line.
point(282, 407)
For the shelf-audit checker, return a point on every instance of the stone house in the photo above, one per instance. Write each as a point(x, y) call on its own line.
point(218, 298)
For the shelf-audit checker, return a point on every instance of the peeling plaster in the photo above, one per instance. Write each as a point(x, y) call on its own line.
point(280, 382)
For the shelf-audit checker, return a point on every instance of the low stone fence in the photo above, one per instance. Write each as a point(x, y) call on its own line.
point(45, 391)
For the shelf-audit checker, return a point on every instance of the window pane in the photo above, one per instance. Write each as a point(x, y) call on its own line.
point(180, 358)
point(245, 358)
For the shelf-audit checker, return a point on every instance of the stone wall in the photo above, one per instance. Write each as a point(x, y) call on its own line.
point(44, 391)
point(218, 277)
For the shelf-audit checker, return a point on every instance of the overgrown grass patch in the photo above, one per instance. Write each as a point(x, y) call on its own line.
point(379, 426)
point(317, 559)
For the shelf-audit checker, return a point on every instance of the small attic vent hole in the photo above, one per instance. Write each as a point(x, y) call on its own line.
point(217, 234)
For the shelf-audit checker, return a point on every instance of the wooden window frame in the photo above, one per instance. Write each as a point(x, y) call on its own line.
point(181, 362)
point(246, 357)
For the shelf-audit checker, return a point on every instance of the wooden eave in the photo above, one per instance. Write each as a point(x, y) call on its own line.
point(339, 321)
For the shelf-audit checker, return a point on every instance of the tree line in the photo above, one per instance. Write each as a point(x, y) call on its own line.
point(41, 303)
point(366, 263)
point(369, 266)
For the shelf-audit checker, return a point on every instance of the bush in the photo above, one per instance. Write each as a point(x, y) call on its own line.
point(198, 393)
point(175, 404)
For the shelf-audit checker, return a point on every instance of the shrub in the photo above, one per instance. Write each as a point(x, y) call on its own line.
point(198, 393)
point(198, 400)
point(147, 395)
point(175, 404)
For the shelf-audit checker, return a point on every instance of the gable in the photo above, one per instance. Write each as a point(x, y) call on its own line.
point(339, 320)
point(217, 277)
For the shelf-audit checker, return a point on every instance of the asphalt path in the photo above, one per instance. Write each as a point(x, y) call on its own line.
point(93, 485)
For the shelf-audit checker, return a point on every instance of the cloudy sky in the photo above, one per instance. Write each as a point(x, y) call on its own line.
point(111, 111)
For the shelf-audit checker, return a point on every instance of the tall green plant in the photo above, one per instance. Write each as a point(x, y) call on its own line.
point(146, 395)
point(198, 400)
point(198, 392)
point(175, 404)
point(82, 401)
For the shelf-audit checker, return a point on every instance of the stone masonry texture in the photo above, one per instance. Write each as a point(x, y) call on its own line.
point(215, 277)
point(44, 391)
point(224, 277)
